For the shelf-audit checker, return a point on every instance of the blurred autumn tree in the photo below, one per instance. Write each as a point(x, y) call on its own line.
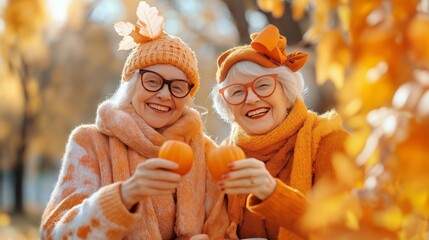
point(281, 17)
point(49, 88)
point(23, 55)
point(376, 52)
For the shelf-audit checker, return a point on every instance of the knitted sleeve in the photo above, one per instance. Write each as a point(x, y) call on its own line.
point(217, 220)
point(329, 144)
point(286, 205)
point(283, 207)
point(79, 208)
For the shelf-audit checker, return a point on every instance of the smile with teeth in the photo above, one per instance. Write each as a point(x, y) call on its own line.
point(258, 112)
point(159, 107)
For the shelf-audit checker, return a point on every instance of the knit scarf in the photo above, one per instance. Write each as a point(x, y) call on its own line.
point(297, 139)
point(132, 141)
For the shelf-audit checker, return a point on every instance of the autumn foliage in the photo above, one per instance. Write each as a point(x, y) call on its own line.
point(376, 53)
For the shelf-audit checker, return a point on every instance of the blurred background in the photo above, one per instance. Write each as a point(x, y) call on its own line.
point(59, 60)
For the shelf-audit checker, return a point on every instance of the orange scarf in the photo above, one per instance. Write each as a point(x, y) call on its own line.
point(131, 142)
point(296, 138)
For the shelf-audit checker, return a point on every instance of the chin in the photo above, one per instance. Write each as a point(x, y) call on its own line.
point(257, 128)
point(262, 132)
point(157, 124)
point(257, 131)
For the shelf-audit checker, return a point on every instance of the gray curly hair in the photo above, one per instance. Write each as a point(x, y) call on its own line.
point(291, 82)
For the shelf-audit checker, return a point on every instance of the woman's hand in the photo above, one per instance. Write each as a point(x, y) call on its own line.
point(248, 176)
point(200, 237)
point(151, 178)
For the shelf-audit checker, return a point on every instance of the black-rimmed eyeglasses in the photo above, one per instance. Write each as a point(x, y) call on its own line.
point(153, 82)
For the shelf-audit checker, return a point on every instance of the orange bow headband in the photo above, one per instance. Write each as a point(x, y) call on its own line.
point(268, 49)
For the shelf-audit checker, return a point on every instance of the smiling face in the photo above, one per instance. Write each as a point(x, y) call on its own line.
point(258, 115)
point(160, 109)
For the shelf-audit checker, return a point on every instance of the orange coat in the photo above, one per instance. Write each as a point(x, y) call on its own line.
point(86, 202)
point(297, 153)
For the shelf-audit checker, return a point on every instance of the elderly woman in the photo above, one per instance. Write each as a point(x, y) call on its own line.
point(289, 148)
point(111, 184)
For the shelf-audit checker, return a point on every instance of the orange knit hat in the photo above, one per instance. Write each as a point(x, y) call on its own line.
point(268, 49)
point(153, 46)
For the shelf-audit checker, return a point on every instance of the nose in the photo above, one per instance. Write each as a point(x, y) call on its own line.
point(164, 93)
point(251, 96)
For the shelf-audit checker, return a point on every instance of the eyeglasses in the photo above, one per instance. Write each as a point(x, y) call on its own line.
point(262, 86)
point(153, 82)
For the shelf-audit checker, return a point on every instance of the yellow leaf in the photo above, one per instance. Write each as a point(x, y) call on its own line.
point(420, 202)
point(402, 10)
point(343, 11)
point(4, 220)
point(266, 5)
point(346, 171)
point(298, 9)
point(414, 227)
point(333, 57)
point(353, 107)
point(314, 33)
point(357, 121)
point(390, 218)
point(355, 143)
point(352, 221)
point(367, 79)
point(24, 21)
point(360, 11)
point(278, 9)
point(377, 42)
point(412, 154)
point(417, 37)
point(320, 18)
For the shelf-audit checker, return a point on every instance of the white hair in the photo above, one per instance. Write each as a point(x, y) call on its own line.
point(291, 82)
point(124, 94)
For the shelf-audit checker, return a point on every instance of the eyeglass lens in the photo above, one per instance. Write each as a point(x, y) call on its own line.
point(262, 87)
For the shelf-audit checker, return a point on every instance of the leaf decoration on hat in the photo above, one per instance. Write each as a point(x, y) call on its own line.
point(150, 26)
point(125, 29)
point(150, 23)
point(127, 43)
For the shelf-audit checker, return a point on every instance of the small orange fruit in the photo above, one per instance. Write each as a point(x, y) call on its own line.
point(178, 152)
point(218, 159)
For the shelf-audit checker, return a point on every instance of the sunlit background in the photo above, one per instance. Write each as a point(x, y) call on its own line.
point(368, 59)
